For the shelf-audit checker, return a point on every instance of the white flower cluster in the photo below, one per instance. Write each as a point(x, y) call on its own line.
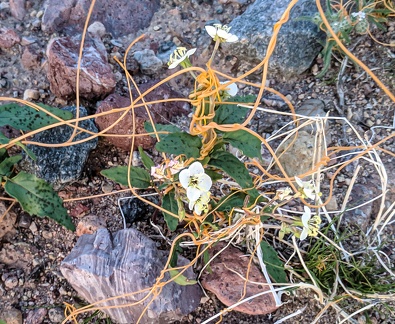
point(197, 185)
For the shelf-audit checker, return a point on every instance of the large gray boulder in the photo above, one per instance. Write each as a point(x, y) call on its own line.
point(101, 267)
point(297, 43)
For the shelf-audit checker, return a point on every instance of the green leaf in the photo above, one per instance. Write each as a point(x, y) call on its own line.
point(147, 161)
point(232, 114)
point(161, 128)
point(245, 142)
point(27, 118)
point(27, 151)
point(274, 266)
point(228, 163)
point(169, 203)
point(3, 154)
point(139, 178)
point(38, 198)
point(181, 279)
point(4, 139)
point(180, 143)
point(2, 322)
point(232, 201)
point(215, 176)
point(7, 165)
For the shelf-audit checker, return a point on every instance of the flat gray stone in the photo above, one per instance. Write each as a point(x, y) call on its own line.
point(297, 43)
point(101, 266)
point(58, 165)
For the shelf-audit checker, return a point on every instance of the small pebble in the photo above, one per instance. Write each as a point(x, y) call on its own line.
point(11, 282)
point(31, 94)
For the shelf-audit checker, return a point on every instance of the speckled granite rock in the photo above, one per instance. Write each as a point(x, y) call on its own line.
point(59, 165)
point(297, 43)
point(101, 266)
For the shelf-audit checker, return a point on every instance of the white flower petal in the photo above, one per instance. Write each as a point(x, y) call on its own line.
point(304, 233)
point(231, 89)
point(299, 182)
point(184, 178)
point(196, 168)
point(223, 33)
point(211, 30)
point(191, 52)
point(175, 64)
point(309, 192)
point(204, 182)
point(306, 217)
point(232, 38)
point(191, 204)
point(193, 193)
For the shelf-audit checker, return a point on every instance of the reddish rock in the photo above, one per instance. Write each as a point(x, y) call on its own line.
point(31, 57)
point(17, 8)
point(19, 255)
point(7, 221)
point(8, 38)
point(125, 125)
point(89, 225)
point(120, 17)
point(96, 77)
point(161, 113)
point(228, 286)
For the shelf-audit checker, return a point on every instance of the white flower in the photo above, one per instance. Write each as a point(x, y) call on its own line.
point(311, 225)
point(179, 56)
point(231, 89)
point(200, 204)
point(195, 181)
point(306, 189)
point(221, 33)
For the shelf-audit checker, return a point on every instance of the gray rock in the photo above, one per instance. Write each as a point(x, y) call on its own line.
point(17, 8)
point(314, 108)
point(148, 62)
point(36, 316)
point(56, 315)
point(11, 316)
point(100, 267)
point(120, 17)
point(97, 29)
point(58, 165)
point(96, 77)
point(297, 155)
point(360, 217)
point(297, 43)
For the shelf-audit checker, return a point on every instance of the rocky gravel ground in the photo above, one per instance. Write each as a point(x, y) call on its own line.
point(32, 289)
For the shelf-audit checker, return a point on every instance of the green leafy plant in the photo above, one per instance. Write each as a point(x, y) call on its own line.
point(35, 195)
point(353, 17)
point(359, 272)
point(200, 180)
